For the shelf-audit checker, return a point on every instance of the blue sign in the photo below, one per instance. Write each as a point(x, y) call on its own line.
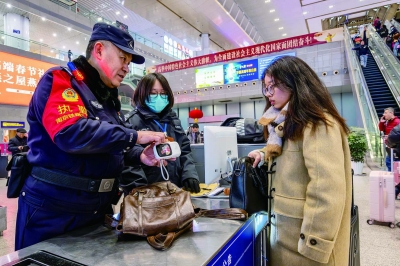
point(240, 248)
point(265, 61)
point(12, 124)
point(17, 31)
point(240, 71)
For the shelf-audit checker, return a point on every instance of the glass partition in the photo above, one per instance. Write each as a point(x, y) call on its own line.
point(368, 112)
point(386, 61)
point(79, 9)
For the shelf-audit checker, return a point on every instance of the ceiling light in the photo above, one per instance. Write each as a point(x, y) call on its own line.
point(83, 53)
point(41, 40)
point(280, 28)
point(69, 29)
point(63, 47)
point(330, 6)
point(284, 34)
point(267, 1)
point(51, 51)
point(55, 34)
point(43, 18)
point(272, 10)
point(99, 19)
point(305, 12)
point(125, 16)
point(117, 12)
point(9, 5)
point(77, 42)
point(2, 37)
point(277, 19)
point(153, 61)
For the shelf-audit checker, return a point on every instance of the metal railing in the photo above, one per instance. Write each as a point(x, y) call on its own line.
point(94, 17)
point(368, 113)
point(386, 61)
point(35, 47)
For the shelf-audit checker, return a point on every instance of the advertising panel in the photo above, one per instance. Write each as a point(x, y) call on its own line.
point(19, 77)
point(264, 62)
point(240, 71)
point(210, 76)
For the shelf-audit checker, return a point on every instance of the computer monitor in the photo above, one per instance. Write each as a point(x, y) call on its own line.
point(220, 146)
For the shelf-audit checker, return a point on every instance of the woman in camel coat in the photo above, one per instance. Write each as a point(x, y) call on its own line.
point(311, 186)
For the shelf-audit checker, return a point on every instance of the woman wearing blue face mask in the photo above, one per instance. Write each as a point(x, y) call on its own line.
point(154, 100)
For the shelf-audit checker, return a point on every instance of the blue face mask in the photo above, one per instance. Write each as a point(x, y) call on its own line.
point(157, 103)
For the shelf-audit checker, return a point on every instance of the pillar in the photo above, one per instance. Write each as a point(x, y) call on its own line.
point(16, 31)
point(205, 43)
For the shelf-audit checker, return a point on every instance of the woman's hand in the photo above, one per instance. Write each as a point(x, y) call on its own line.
point(256, 155)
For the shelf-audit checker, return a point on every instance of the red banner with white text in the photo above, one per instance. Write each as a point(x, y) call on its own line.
point(254, 50)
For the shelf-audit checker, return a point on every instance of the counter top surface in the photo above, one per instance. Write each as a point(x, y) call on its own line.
point(98, 245)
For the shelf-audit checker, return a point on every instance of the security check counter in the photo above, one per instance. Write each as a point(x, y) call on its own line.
point(212, 242)
point(198, 155)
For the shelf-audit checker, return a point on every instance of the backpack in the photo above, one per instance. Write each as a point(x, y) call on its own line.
point(248, 130)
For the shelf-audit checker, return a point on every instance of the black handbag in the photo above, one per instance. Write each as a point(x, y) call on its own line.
point(354, 254)
point(20, 170)
point(249, 186)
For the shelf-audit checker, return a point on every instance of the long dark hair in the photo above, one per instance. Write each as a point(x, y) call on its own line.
point(143, 89)
point(309, 100)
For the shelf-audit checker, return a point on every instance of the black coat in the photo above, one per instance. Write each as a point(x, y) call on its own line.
point(142, 119)
point(393, 139)
point(15, 142)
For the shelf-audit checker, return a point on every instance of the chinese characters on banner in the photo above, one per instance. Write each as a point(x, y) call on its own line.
point(19, 77)
point(254, 50)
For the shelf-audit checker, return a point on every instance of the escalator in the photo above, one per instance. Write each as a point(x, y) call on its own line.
point(380, 92)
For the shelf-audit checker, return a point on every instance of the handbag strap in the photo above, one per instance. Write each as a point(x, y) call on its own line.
point(164, 241)
point(229, 213)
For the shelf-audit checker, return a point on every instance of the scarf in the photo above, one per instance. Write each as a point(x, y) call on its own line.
point(274, 119)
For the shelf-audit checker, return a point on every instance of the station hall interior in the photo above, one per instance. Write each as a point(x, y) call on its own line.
point(172, 34)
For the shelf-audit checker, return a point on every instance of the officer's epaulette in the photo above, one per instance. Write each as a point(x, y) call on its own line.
point(67, 70)
point(130, 114)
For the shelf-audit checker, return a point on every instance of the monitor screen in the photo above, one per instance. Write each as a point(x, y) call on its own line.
point(209, 76)
point(240, 71)
point(220, 143)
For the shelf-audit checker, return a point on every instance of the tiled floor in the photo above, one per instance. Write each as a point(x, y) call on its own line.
point(380, 245)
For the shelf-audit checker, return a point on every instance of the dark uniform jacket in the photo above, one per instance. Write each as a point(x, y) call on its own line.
point(15, 142)
point(143, 119)
point(72, 130)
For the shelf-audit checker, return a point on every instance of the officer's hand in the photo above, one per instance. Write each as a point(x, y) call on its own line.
point(192, 185)
point(147, 157)
point(145, 137)
point(256, 156)
point(20, 148)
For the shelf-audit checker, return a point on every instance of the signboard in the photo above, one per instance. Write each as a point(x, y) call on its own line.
point(242, 248)
point(12, 124)
point(19, 77)
point(264, 62)
point(240, 71)
point(17, 31)
point(331, 35)
point(210, 76)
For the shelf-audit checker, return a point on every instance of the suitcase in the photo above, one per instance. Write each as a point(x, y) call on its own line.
point(354, 254)
point(382, 198)
point(396, 172)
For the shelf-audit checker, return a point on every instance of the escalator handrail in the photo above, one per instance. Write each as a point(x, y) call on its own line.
point(384, 49)
point(371, 106)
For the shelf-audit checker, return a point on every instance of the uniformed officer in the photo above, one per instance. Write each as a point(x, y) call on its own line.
point(79, 141)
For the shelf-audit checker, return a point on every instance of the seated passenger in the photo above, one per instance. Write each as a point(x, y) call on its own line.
point(154, 100)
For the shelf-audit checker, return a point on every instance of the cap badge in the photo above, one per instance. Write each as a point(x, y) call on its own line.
point(130, 44)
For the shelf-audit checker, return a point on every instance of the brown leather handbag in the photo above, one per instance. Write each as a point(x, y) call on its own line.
point(162, 211)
